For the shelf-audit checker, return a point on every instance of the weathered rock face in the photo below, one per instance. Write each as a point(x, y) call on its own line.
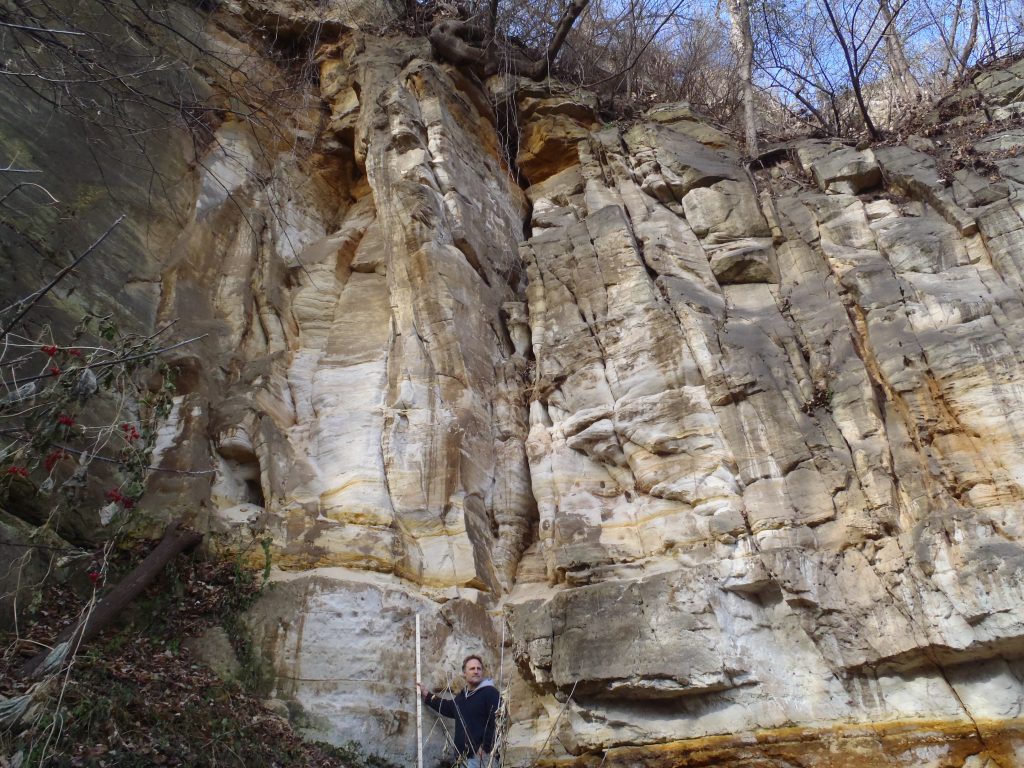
point(365, 303)
point(729, 456)
point(770, 450)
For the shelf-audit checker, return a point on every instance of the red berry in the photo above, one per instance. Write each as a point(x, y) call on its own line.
point(52, 458)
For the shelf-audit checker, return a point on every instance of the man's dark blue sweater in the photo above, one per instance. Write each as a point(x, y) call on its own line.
point(475, 713)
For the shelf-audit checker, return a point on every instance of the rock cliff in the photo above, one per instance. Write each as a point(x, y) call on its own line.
point(719, 463)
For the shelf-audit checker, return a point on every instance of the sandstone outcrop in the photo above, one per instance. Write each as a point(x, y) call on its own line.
point(729, 454)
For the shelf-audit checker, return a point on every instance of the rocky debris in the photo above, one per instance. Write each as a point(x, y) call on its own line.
point(1001, 87)
point(990, 95)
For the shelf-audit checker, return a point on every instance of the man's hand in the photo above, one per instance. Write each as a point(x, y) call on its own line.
point(423, 692)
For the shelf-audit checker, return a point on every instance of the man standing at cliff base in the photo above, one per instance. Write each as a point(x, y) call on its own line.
point(475, 711)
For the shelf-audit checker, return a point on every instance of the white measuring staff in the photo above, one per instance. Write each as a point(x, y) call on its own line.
point(419, 701)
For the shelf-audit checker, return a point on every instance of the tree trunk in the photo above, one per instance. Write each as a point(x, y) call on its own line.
point(972, 39)
point(174, 542)
point(743, 45)
point(849, 49)
point(906, 84)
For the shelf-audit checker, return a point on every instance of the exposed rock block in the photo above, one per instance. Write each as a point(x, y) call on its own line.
point(660, 639)
point(847, 171)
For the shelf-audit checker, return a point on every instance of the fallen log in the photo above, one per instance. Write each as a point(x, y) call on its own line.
point(175, 541)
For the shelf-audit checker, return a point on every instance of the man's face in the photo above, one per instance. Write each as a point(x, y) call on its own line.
point(473, 672)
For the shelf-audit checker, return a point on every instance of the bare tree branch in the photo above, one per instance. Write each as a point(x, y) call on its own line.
point(34, 299)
